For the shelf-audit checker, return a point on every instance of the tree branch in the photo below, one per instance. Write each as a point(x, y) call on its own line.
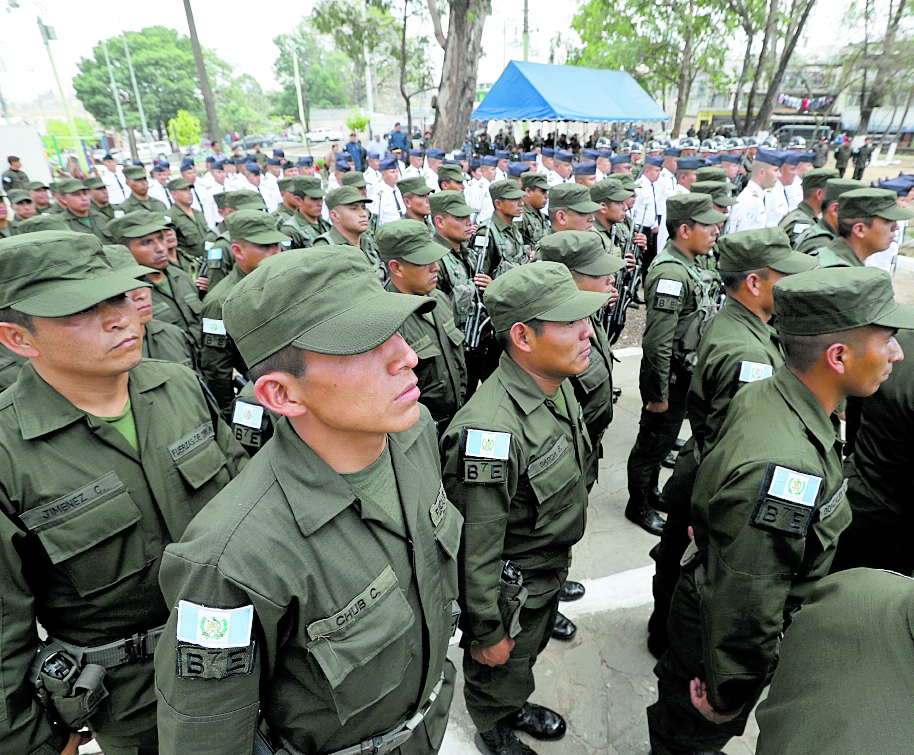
point(436, 22)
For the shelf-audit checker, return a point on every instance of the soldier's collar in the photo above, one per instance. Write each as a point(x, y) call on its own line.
point(523, 389)
point(806, 407)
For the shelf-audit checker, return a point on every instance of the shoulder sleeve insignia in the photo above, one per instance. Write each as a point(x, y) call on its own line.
point(247, 414)
point(486, 444)
point(786, 500)
point(480, 240)
point(167, 219)
point(485, 457)
point(800, 227)
point(214, 627)
point(668, 287)
point(214, 327)
point(666, 296)
point(749, 372)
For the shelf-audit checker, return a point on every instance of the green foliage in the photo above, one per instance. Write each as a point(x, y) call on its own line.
point(184, 128)
point(61, 129)
point(241, 104)
point(356, 121)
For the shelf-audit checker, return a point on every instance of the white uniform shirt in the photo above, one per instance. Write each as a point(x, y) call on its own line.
point(750, 211)
point(116, 185)
point(387, 203)
point(777, 204)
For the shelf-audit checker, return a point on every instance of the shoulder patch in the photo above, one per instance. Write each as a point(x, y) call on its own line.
point(749, 372)
point(214, 327)
point(214, 627)
point(786, 500)
point(247, 414)
point(800, 227)
point(486, 444)
point(668, 287)
point(485, 457)
point(195, 662)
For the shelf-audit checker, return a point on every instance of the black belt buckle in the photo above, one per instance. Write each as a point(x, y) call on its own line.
point(135, 647)
point(372, 746)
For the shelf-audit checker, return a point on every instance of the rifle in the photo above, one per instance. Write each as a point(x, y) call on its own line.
point(477, 319)
point(614, 317)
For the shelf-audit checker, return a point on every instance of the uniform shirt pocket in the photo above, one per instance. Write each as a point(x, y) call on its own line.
point(369, 635)
point(551, 476)
point(197, 456)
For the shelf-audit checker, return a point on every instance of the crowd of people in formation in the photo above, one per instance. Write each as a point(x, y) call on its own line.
point(270, 436)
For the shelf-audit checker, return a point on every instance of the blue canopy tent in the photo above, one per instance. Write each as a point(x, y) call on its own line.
point(540, 92)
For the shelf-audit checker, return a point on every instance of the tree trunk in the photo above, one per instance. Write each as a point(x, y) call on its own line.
point(751, 122)
point(457, 90)
point(685, 77)
point(747, 58)
point(872, 99)
point(406, 97)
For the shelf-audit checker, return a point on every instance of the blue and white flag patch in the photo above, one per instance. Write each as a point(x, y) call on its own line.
point(485, 444)
point(214, 627)
point(668, 287)
point(795, 487)
point(749, 372)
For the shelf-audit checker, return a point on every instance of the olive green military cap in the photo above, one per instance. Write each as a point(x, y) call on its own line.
point(693, 206)
point(538, 291)
point(610, 190)
point(626, 179)
point(449, 202)
point(176, 184)
point(93, 182)
point(254, 226)
point(134, 171)
point(354, 178)
point(719, 191)
point(70, 186)
point(530, 179)
point(120, 258)
point(414, 185)
point(43, 222)
point(835, 187)
point(344, 195)
point(286, 184)
point(326, 299)
point(710, 173)
point(505, 190)
point(832, 299)
point(16, 196)
point(573, 197)
point(872, 203)
point(57, 273)
point(53, 186)
point(138, 223)
point(310, 186)
point(241, 199)
point(408, 240)
point(448, 172)
point(764, 247)
point(36, 185)
point(818, 177)
point(581, 251)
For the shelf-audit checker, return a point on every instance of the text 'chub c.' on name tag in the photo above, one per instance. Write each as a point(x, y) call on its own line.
point(485, 457)
point(787, 500)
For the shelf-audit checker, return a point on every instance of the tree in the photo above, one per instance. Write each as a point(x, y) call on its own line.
point(415, 66)
point(462, 49)
point(242, 105)
point(326, 73)
point(664, 46)
point(356, 121)
point(165, 73)
point(184, 128)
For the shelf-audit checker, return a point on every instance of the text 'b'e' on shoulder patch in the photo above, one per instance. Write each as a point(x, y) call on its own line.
point(214, 627)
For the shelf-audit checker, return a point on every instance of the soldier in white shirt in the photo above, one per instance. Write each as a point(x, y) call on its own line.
point(585, 173)
point(159, 176)
point(778, 203)
point(604, 164)
point(433, 158)
point(751, 210)
point(477, 193)
point(621, 163)
point(414, 166)
point(372, 174)
point(202, 198)
point(667, 180)
point(387, 202)
point(685, 177)
point(113, 176)
point(562, 171)
point(252, 177)
point(649, 203)
point(795, 189)
point(501, 166)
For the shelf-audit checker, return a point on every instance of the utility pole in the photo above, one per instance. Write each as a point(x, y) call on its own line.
point(114, 90)
point(301, 102)
point(526, 29)
point(208, 102)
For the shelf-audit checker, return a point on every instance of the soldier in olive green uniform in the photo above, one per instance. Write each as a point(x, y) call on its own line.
point(515, 460)
point(75, 211)
point(739, 347)
point(610, 218)
point(769, 505)
point(174, 297)
point(139, 199)
point(412, 264)
point(319, 591)
point(534, 224)
point(289, 205)
point(825, 229)
point(219, 257)
point(796, 222)
point(500, 235)
point(306, 224)
point(839, 680)
point(105, 460)
point(678, 296)
point(867, 221)
point(348, 211)
point(189, 223)
point(253, 239)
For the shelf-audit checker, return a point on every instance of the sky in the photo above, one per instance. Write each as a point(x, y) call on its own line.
point(26, 71)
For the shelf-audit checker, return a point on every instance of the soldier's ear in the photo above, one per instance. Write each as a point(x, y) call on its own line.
point(18, 340)
point(279, 392)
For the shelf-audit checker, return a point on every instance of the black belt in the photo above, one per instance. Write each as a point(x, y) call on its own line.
point(132, 649)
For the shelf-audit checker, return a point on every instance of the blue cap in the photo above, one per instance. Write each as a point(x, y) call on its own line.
point(219, 165)
point(252, 167)
point(278, 153)
point(435, 153)
point(807, 157)
point(502, 154)
point(590, 154)
point(210, 160)
point(528, 157)
point(474, 163)
point(489, 160)
point(159, 169)
point(416, 153)
point(452, 161)
point(240, 160)
point(548, 152)
point(306, 162)
point(728, 158)
point(713, 159)
point(792, 157)
point(387, 163)
point(585, 169)
point(689, 163)
point(274, 161)
point(607, 153)
point(460, 155)
point(653, 160)
point(108, 156)
point(672, 152)
point(771, 157)
point(620, 159)
point(564, 155)
point(137, 162)
point(342, 165)
point(187, 164)
point(515, 169)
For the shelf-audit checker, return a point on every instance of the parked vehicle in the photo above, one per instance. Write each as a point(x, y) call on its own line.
point(324, 135)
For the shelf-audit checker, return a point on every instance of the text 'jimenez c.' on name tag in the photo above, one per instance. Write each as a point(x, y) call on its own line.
point(214, 327)
point(668, 287)
point(214, 627)
point(484, 444)
point(749, 372)
point(796, 487)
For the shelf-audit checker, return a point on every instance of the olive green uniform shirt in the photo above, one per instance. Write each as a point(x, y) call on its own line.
point(168, 343)
point(281, 214)
point(505, 246)
point(218, 354)
point(767, 511)
point(534, 225)
point(456, 278)
point(796, 222)
point(84, 519)
point(150, 204)
point(93, 223)
point(219, 257)
point(303, 232)
point(836, 254)
point(613, 240)
point(181, 306)
point(352, 614)
point(528, 508)
point(366, 244)
point(817, 236)
point(594, 391)
point(10, 364)
point(191, 231)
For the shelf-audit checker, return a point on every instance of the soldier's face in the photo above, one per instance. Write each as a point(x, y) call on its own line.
point(587, 181)
point(311, 206)
point(872, 351)
point(150, 250)
point(651, 172)
point(570, 220)
point(352, 218)
point(39, 196)
point(561, 349)
point(419, 280)
point(139, 186)
point(536, 198)
point(24, 209)
point(488, 172)
point(601, 284)
point(878, 236)
point(613, 211)
point(418, 204)
point(562, 168)
point(99, 196)
point(142, 301)
point(77, 202)
point(454, 229)
point(361, 396)
point(513, 208)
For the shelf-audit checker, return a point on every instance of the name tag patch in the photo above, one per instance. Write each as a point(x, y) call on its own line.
point(190, 441)
point(195, 662)
point(386, 582)
point(542, 463)
point(831, 504)
point(436, 512)
point(35, 518)
point(787, 500)
point(749, 372)
point(214, 627)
